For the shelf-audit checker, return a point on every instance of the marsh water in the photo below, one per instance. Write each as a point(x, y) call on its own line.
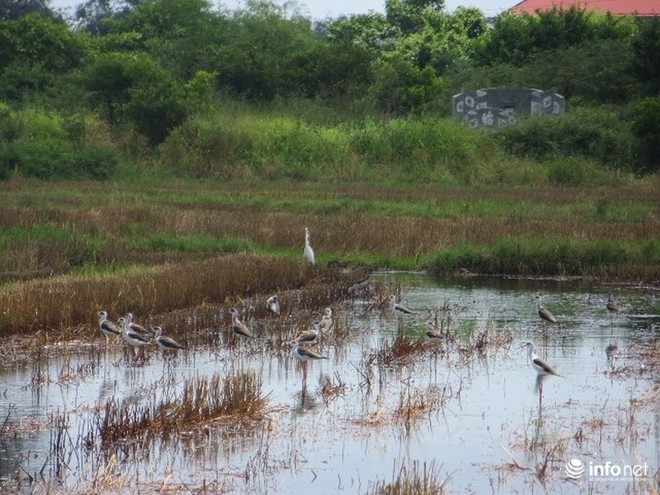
point(466, 411)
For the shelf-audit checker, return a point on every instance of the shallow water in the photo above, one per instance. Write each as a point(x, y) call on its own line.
point(481, 425)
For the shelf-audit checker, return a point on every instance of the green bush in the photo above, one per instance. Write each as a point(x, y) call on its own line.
point(94, 162)
point(53, 159)
point(593, 133)
point(646, 126)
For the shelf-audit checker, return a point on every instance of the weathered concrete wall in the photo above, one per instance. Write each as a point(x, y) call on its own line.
point(494, 107)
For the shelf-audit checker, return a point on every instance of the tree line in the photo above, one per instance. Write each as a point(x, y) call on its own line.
point(149, 65)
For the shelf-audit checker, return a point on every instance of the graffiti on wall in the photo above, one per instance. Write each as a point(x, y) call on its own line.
point(496, 107)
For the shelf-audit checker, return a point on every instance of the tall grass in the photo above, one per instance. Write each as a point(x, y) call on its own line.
point(83, 228)
point(203, 400)
point(605, 258)
point(276, 146)
point(56, 304)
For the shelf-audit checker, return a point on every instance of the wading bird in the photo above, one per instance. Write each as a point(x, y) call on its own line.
point(309, 336)
point(305, 354)
point(134, 326)
point(108, 328)
point(431, 332)
point(399, 309)
point(543, 312)
point(131, 337)
point(239, 328)
point(166, 343)
point(308, 253)
point(327, 322)
point(540, 366)
point(273, 304)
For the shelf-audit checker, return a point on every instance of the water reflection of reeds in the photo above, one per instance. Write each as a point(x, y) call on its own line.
point(235, 398)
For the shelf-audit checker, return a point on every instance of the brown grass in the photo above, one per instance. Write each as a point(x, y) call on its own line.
point(236, 398)
point(68, 302)
point(238, 211)
point(400, 351)
point(415, 404)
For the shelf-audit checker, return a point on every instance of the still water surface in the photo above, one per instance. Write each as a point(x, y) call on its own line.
point(481, 424)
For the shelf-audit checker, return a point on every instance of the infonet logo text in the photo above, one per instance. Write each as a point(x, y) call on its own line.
point(576, 469)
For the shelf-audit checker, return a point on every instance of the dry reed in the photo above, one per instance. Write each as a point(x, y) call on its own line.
point(413, 479)
point(60, 303)
point(203, 401)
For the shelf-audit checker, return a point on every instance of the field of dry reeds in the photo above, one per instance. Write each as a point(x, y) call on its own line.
point(68, 250)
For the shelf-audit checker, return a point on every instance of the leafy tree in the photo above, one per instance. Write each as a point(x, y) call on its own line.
point(183, 35)
point(34, 50)
point(137, 91)
point(447, 40)
point(515, 39)
point(408, 15)
point(37, 40)
point(400, 87)
point(370, 31)
point(11, 10)
point(646, 127)
point(646, 50)
point(262, 51)
point(91, 15)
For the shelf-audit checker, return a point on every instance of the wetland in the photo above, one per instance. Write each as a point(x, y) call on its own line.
point(389, 409)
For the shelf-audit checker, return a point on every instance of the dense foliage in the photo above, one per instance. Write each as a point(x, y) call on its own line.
point(187, 88)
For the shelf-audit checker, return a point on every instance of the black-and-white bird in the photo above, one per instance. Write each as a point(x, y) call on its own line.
point(134, 326)
point(309, 336)
point(308, 253)
point(540, 366)
point(166, 343)
point(431, 332)
point(130, 336)
point(327, 323)
point(304, 353)
point(543, 312)
point(273, 304)
point(239, 328)
point(108, 328)
point(399, 309)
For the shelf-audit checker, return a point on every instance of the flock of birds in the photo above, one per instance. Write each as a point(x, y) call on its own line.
point(138, 336)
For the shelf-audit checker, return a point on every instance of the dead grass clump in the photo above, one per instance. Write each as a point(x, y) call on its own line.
point(330, 389)
point(234, 398)
point(401, 350)
point(413, 479)
point(414, 403)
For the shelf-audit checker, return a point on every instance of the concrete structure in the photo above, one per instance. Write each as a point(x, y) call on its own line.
point(495, 107)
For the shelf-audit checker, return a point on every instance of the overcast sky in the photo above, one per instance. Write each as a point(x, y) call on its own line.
point(320, 9)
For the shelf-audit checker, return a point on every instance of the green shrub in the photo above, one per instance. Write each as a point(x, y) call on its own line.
point(594, 133)
point(94, 163)
point(646, 126)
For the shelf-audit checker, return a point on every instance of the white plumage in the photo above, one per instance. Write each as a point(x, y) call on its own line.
point(308, 253)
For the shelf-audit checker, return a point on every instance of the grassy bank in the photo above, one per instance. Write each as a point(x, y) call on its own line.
point(70, 248)
point(306, 141)
point(90, 227)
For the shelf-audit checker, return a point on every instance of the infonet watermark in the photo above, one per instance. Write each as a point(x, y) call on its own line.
point(576, 469)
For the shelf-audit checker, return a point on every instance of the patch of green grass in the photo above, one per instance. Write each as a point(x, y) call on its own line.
point(528, 256)
point(193, 244)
